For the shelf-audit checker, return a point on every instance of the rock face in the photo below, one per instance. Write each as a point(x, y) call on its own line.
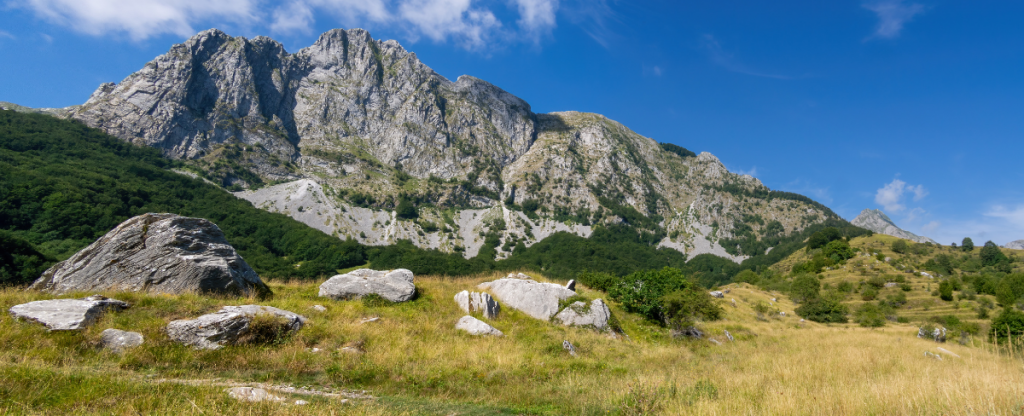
point(595, 315)
point(67, 314)
point(479, 302)
point(354, 114)
point(163, 253)
point(394, 285)
point(877, 221)
point(539, 300)
point(228, 326)
point(1015, 245)
point(476, 327)
point(118, 341)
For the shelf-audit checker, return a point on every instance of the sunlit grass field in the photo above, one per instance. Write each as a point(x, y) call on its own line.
point(413, 361)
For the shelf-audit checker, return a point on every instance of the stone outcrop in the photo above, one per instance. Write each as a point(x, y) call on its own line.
point(230, 326)
point(478, 302)
point(1015, 245)
point(393, 285)
point(875, 220)
point(163, 253)
point(539, 300)
point(595, 315)
point(67, 314)
point(118, 341)
point(476, 327)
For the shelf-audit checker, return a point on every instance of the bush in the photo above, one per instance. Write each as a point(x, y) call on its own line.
point(946, 290)
point(823, 237)
point(870, 315)
point(596, 280)
point(642, 291)
point(844, 287)
point(1009, 323)
point(869, 293)
point(838, 250)
point(805, 288)
point(825, 309)
point(746, 276)
point(406, 210)
point(682, 308)
point(899, 246)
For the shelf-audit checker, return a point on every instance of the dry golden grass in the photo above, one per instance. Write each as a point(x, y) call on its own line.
point(416, 363)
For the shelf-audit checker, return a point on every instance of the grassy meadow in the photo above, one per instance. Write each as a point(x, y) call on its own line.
point(413, 361)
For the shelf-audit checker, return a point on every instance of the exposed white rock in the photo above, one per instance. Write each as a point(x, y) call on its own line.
point(163, 253)
point(539, 300)
point(118, 341)
point(227, 326)
point(594, 315)
point(478, 302)
point(717, 294)
point(476, 327)
point(393, 285)
point(252, 394)
point(1015, 245)
point(67, 314)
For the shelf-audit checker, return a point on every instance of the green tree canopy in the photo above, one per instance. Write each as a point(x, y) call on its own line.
point(967, 244)
point(991, 255)
point(823, 237)
point(805, 288)
point(838, 250)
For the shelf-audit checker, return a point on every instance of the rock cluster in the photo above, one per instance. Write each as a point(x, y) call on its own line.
point(228, 326)
point(478, 302)
point(476, 327)
point(67, 314)
point(539, 300)
point(162, 253)
point(394, 285)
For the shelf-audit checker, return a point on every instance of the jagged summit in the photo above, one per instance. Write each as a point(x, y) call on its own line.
point(339, 133)
point(876, 220)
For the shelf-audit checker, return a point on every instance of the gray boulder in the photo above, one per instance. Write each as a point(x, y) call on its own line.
point(228, 326)
point(539, 300)
point(476, 327)
point(67, 314)
point(717, 294)
point(1015, 245)
point(394, 285)
point(118, 341)
point(595, 315)
point(479, 302)
point(162, 253)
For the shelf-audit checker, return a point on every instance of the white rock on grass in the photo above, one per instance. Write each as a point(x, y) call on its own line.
point(67, 314)
point(717, 294)
point(118, 341)
point(476, 327)
point(395, 285)
point(595, 315)
point(478, 302)
point(227, 326)
point(539, 300)
point(252, 394)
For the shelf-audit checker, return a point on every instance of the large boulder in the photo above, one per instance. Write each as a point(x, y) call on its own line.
point(162, 253)
point(479, 302)
point(232, 326)
point(476, 327)
point(539, 300)
point(594, 315)
point(67, 314)
point(393, 285)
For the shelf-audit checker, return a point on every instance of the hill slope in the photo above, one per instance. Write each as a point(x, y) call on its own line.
point(358, 138)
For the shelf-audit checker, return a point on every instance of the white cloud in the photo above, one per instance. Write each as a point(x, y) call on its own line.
point(5, 34)
point(751, 172)
point(439, 19)
point(890, 197)
point(915, 214)
point(930, 227)
point(1014, 216)
point(919, 192)
point(140, 19)
point(726, 60)
point(595, 17)
point(296, 17)
point(892, 15)
point(537, 17)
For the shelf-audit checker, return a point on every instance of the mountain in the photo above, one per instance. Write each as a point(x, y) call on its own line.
point(1016, 245)
point(358, 138)
point(876, 220)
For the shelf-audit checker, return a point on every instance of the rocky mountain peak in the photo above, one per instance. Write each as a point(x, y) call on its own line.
point(876, 220)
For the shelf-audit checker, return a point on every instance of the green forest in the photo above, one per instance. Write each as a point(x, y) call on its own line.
point(63, 185)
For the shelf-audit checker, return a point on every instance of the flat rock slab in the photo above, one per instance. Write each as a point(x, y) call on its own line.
point(539, 300)
point(118, 341)
point(226, 326)
point(479, 302)
point(595, 315)
point(163, 253)
point(67, 314)
point(476, 327)
point(394, 285)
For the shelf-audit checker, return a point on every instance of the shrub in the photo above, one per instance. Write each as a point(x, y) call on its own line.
point(844, 287)
point(899, 246)
point(838, 250)
point(825, 309)
point(746, 276)
point(946, 290)
point(682, 308)
point(869, 294)
point(596, 280)
point(406, 210)
point(870, 315)
point(642, 291)
point(823, 237)
point(1009, 323)
point(805, 287)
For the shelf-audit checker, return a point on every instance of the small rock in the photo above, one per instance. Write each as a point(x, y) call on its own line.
point(480, 302)
point(252, 394)
point(118, 341)
point(301, 402)
point(932, 355)
point(351, 350)
point(315, 350)
point(595, 315)
point(734, 303)
point(227, 326)
point(691, 332)
point(571, 285)
point(728, 335)
point(888, 259)
point(369, 320)
point(319, 308)
point(802, 320)
point(717, 294)
point(727, 290)
point(714, 341)
point(67, 314)
point(569, 347)
point(476, 327)
point(773, 300)
point(395, 285)
point(518, 276)
point(782, 313)
point(947, 352)
point(891, 284)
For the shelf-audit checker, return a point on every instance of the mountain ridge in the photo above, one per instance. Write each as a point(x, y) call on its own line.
point(342, 133)
point(876, 220)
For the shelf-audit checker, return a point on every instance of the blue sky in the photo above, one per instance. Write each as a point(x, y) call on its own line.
point(913, 107)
